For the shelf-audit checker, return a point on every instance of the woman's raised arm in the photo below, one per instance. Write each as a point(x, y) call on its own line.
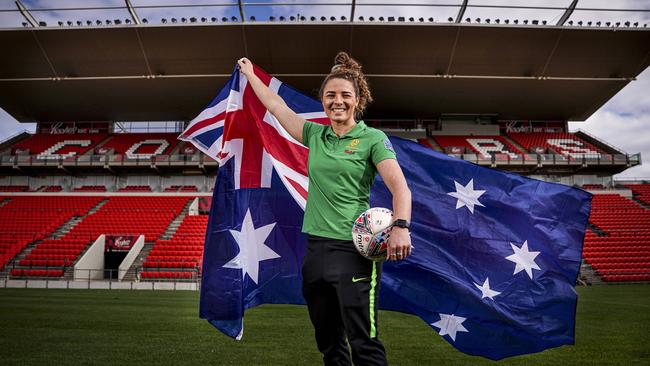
point(291, 121)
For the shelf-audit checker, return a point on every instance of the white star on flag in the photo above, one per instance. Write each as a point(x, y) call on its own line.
point(524, 259)
point(252, 249)
point(467, 196)
point(450, 324)
point(486, 291)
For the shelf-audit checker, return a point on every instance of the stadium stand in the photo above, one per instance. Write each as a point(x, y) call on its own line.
point(179, 256)
point(622, 252)
point(58, 146)
point(641, 192)
point(566, 144)
point(149, 216)
point(135, 189)
point(593, 186)
point(52, 189)
point(90, 189)
point(141, 146)
point(14, 188)
point(25, 220)
point(481, 145)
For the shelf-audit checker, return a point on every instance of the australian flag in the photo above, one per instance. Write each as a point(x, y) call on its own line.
point(495, 258)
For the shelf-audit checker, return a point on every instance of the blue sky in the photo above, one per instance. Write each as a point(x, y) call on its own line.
point(623, 122)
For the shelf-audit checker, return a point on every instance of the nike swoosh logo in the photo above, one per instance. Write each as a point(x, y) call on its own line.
point(354, 279)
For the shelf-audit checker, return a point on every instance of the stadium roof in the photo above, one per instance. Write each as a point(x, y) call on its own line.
point(170, 72)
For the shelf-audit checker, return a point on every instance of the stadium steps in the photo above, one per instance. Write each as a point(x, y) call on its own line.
point(435, 145)
point(514, 143)
point(596, 229)
point(65, 228)
point(14, 262)
point(176, 223)
point(131, 274)
point(589, 275)
point(5, 201)
point(633, 198)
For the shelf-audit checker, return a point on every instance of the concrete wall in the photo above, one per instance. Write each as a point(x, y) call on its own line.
point(130, 257)
point(91, 264)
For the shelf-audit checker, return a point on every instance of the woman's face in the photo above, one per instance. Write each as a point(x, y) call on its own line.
point(339, 100)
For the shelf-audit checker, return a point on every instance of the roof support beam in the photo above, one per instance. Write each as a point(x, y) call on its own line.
point(567, 13)
point(461, 12)
point(26, 14)
point(241, 11)
point(131, 9)
point(352, 8)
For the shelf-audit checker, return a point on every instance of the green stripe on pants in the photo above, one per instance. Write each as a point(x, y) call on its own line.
point(373, 284)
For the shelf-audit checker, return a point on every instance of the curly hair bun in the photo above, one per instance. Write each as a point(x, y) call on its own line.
point(345, 67)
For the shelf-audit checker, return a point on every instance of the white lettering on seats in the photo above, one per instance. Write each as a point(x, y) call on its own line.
point(162, 146)
point(486, 146)
point(50, 153)
point(573, 148)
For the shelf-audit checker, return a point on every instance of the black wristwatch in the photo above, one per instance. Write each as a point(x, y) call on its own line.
point(401, 223)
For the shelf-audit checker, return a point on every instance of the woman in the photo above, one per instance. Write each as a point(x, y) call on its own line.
point(339, 285)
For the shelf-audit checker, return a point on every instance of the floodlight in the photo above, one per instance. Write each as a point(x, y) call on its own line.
point(292, 18)
point(487, 21)
point(282, 18)
point(608, 23)
point(224, 19)
point(516, 21)
point(145, 21)
point(421, 19)
point(213, 19)
point(252, 18)
point(184, 20)
point(627, 24)
point(164, 20)
point(174, 20)
point(108, 22)
point(411, 19)
point(127, 21)
point(372, 19)
point(333, 19)
point(401, 19)
point(98, 22)
point(69, 22)
point(391, 19)
point(535, 22)
point(322, 19)
point(507, 21)
point(193, 19)
point(431, 20)
point(381, 19)
point(636, 24)
point(618, 24)
point(468, 20)
point(233, 18)
point(598, 23)
point(360, 19)
point(88, 22)
point(525, 21)
point(497, 21)
point(24, 24)
point(61, 23)
point(450, 19)
point(544, 22)
point(580, 23)
point(117, 21)
point(343, 18)
point(313, 18)
point(570, 22)
point(271, 19)
point(478, 20)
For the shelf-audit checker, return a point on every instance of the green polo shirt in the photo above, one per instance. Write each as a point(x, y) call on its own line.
point(341, 171)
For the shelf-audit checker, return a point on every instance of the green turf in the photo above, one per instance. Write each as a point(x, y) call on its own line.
point(93, 327)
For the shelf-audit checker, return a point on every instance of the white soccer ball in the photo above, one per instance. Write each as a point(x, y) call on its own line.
point(371, 231)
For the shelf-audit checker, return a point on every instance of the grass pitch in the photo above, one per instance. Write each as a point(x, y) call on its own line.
point(94, 327)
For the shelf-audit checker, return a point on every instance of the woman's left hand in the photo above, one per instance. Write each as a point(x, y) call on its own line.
point(399, 244)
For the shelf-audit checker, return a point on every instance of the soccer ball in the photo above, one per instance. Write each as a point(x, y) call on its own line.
point(371, 231)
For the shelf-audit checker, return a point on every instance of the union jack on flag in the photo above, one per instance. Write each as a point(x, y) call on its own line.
point(237, 125)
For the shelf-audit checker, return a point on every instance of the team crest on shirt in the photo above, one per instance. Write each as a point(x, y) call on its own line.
point(353, 144)
point(388, 145)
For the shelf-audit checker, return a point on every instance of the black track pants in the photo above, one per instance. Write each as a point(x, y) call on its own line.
point(341, 288)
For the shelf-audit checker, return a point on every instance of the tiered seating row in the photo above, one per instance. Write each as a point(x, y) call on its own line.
point(566, 144)
point(624, 254)
point(641, 192)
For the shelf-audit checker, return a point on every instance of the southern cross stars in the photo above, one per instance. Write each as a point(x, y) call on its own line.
point(486, 291)
point(524, 259)
point(450, 324)
point(467, 196)
point(252, 249)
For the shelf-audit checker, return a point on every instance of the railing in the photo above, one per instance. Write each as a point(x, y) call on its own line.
point(201, 159)
point(105, 275)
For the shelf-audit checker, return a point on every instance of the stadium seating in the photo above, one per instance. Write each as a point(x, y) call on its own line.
point(142, 146)
point(14, 188)
point(481, 145)
point(566, 144)
point(90, 189)
point(135, 189)
point(24, 220)
point(593, 186)
point(59, 145)
point(623, 253)
point(184, 251)
point(149, 216)
point(641, 192)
